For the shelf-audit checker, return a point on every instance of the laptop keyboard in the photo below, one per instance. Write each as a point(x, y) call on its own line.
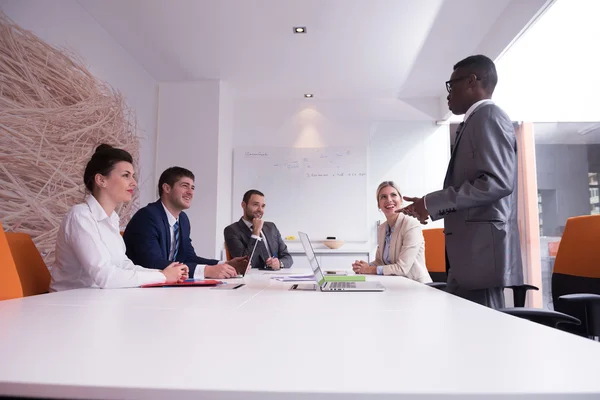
point(342, 285)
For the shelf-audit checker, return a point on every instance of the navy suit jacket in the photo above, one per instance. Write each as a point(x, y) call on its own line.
point(148, 240)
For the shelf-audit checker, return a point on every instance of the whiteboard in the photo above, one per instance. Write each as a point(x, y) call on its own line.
point(321, 191)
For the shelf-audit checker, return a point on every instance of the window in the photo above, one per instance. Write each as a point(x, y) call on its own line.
point(540, 213)
point(594, 193)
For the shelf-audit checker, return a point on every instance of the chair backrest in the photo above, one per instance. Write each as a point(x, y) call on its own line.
point(32, 270)
point(435, 253)
point(227, 253)
point(10, 284)
point(577, 266)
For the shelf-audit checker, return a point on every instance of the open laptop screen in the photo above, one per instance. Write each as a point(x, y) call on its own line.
point(310, 254)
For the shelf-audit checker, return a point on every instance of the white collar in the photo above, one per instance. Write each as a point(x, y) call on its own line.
point(248, 223)
point(170, 216)
point(98, 212)
point(474, 106)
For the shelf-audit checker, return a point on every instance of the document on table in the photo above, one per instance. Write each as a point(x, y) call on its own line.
point(294, 278)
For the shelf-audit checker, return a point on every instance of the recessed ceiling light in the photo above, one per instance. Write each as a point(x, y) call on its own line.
point(308, 95)
point(299, 29)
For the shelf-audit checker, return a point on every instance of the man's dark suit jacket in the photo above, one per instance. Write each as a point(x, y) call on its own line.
point(239, 242)
point(148, 240)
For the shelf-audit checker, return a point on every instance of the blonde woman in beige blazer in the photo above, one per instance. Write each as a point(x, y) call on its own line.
point(400, 242)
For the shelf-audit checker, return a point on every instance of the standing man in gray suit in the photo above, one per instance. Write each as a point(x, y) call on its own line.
point(479, 198)
point(240, 237)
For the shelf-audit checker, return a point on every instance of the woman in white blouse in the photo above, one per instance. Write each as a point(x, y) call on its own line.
point(90, 251)
point(400, 242)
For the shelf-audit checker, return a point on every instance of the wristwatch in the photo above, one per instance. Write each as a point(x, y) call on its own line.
point(281, 264)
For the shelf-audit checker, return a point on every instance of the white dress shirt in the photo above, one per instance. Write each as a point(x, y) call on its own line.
point(474, 106)
point(90, 252)
point(262, 236)
point(199, 271)
point(172, 220)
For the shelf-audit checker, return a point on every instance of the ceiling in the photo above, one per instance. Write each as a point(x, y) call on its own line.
point(551, 73)
point(567, 132)
point(353, 49)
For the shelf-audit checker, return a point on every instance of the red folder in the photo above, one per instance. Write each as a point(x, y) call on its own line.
point(187, 282)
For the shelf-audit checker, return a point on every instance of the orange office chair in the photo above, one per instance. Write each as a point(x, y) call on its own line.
point(227, 253)
point(435, 256)
point(10, 284)
point(576, 274)
point(33, 273)
point(576, 278)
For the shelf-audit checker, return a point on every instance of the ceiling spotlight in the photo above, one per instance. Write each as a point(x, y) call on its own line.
point(299, 29)
point(308, 95)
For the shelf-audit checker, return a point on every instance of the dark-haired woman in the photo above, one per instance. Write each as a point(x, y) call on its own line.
point(90, 251)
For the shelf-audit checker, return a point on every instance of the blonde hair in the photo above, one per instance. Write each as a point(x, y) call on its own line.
point(385, 184)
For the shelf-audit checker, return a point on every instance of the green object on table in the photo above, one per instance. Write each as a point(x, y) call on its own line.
point(345, 278)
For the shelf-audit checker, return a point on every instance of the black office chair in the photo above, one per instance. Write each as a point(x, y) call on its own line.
point(591, 309)
point(575, 279)
point(438, 285)
point(541, 316)
point(520, 293)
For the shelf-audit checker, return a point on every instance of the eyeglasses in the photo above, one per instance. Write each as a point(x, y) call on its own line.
point(451, 82)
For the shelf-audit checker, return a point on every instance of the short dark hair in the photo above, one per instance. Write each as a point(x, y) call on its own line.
point(103, 162)
point(483, 67)
point(172, 175)
point(249, 194)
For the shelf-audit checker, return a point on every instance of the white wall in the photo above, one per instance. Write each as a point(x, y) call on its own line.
point(298, 123)
point(225, 163)
point(414, 153)
point(67, 24)
point(188, 137)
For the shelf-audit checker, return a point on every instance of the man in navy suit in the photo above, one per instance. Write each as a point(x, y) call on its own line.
point(159, 233)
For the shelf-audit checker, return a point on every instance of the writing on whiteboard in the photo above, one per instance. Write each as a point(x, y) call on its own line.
point(305, 179)
point(334, 175)
point(256, 154)
point(321, 164)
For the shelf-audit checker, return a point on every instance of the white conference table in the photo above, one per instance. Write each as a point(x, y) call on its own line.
point(263, 341)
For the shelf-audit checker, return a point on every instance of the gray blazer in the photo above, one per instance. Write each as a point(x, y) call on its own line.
point(239, 242)
point(479, 203)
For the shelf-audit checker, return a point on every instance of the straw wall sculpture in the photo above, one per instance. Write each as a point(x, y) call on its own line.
point(53, 114)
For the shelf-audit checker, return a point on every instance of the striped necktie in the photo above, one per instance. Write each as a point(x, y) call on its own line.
point(176, 229)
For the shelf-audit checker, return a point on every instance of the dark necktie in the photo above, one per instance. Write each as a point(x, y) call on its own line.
point(176, 230)
point(261, 249)
point(458, 132)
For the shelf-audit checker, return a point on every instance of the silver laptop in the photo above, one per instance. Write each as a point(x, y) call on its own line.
point(334, 286)
point(242, 273)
